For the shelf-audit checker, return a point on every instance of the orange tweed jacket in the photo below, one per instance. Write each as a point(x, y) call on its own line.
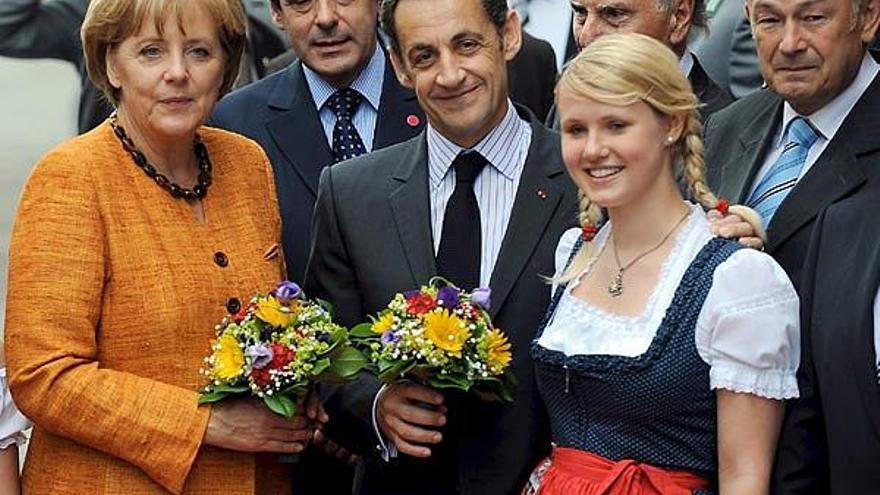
point(114, 291)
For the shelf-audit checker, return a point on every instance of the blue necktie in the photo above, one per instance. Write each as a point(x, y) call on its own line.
point(347, 142)
point(784, 173)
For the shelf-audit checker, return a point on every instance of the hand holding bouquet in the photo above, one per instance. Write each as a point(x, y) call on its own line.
point(439, 336)
point(275, 348)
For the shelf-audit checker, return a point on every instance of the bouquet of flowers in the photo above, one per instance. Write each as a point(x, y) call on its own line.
point(275, 348)
point(439, 336)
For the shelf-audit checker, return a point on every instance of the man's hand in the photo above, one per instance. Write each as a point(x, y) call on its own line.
point(733, 226)
point(408, 424)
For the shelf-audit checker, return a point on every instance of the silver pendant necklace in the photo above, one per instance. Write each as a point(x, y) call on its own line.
point(615, 288)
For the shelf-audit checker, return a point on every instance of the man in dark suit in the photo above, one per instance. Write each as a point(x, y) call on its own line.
point(384, 223)
point(668, 21)
point(299, 115)
point(838, 414)
point(789, 151)
point(824, 86)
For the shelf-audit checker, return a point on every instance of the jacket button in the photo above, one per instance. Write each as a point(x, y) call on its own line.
point(233, 305)
point(221, 259)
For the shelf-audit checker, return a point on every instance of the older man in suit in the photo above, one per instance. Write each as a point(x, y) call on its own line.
point(795, 147)
point(789, 151)
point(338, 100)
point(669, 21)
point(389, 221)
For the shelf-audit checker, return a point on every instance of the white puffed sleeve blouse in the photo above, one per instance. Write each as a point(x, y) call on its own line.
point(748, 330)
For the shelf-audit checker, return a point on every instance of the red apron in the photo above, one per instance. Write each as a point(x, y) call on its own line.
point(577, 472)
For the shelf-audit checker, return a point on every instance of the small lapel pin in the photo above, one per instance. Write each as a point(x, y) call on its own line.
point(542, 194)
point(413, 120)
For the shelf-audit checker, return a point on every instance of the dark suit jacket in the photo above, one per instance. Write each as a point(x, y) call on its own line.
point(279, 113)
point(737, 141)
point(711, 96)
point(831, 440)
point(372, 238)
point(531, 76)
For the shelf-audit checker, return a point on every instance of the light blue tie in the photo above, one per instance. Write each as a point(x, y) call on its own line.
point(784, 173)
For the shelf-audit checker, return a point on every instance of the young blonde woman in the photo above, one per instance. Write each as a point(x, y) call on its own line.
point(667, 352)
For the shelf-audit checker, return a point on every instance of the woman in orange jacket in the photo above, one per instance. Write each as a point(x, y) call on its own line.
point(130, 244)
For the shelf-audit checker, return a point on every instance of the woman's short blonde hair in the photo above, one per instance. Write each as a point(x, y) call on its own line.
point(110, 22)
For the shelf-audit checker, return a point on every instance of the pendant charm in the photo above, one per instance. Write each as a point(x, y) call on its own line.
point(615, 288)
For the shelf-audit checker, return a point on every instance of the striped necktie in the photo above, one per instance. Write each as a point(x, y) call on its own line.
point(784, 173)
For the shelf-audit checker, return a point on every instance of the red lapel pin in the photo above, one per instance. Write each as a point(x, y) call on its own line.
point(413, 120)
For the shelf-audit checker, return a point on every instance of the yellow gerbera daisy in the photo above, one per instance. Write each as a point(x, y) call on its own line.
point(228, 358)
point(384, 323)
point(446, 331)
point(498, 354)
point(270, 310)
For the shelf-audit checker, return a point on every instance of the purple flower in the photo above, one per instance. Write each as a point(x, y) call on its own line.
point(287, 291)
point(482, 297)
point(389, 337)
point(448, 297)
point(260, 354)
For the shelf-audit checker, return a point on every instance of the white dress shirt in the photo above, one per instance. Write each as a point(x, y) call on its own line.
point(827, 120)
point(505, 148)
point(748, 330)
point(368, 83)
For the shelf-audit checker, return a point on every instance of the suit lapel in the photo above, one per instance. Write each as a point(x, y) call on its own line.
point(395, 122)
point(295, 125)
point(740, 169)
point(835, 174)
point(537, 198)
point(410, 210)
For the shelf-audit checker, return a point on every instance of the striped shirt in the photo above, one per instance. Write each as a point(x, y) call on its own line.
point(368, 83)
point(505, 148)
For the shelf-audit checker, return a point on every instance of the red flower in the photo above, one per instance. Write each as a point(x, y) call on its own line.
point(261, 377)
point(281, 356)
point(723, 206)
point(240, 316)
point(419, 304)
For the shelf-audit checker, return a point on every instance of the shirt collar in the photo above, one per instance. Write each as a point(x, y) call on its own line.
point(686, 63)
point(493, 147)
point(828, 119)
point(368, 83)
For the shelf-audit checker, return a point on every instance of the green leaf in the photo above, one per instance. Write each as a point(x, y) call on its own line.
point(391, 373)
point(320, 366)
point(453, 381)
point(327, 305)
point(348, 362)
point(280, 404)
point(232, 389)
point(296, 390)
point(209, 397)
point(362, 331)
